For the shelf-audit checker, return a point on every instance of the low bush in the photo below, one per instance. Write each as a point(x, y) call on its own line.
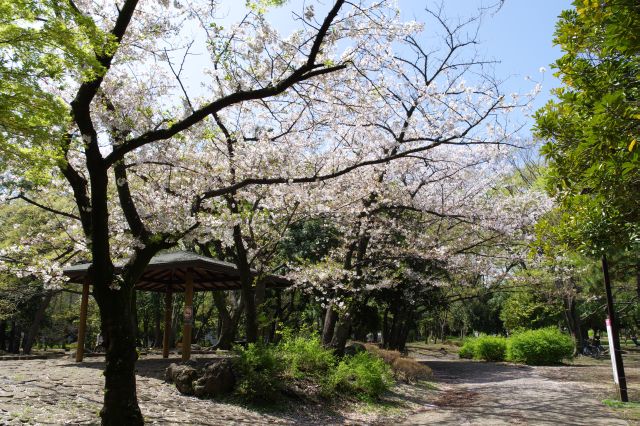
point(490, 348)
point(410, 370)
point(259, 372)
point(301, 364)
point(546, 346)
point(387, 355)
point(364, 375)
point(468, 349)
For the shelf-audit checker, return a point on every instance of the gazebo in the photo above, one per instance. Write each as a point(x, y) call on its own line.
point(170, 273)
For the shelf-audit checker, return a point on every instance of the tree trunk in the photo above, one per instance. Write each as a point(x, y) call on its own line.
point(638, 280)
point(385, 328)
point(13, 348)
point(134, 307)
point(330, 319)
point(145, 329)
point(3, 335)
point(341, 334)
point(573, 323)
point(226, 326)
point(118, 329)
point(157, 332)
point(35, 324)
point(247, 291)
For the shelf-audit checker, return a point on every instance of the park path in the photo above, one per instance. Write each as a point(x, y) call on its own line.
point(479, 393)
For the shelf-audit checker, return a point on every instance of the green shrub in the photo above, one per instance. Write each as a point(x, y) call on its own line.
point(468, 349)
point(364, 375)
point(259, 371)
point(305, 356)
point(490, 348)
point(546, 346)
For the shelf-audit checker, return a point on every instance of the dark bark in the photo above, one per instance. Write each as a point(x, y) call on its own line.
point(134, 307)
point(3, 335)
point(247, 291)
point(228, 322)
point(638, 280)
point(574, 323)
point(120, 396)
point(34, 328)
point(146, 338)
point(341, 334)
point(14, 346)
point(330, 319)
point(157, 320)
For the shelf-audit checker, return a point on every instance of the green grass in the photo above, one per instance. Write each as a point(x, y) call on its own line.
point(628, 410)
point(614, 403)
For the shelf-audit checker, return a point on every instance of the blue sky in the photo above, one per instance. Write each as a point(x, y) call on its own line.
point(519, 36)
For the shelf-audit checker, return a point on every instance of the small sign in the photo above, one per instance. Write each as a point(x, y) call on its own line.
point(188, 314)
point(612, 351)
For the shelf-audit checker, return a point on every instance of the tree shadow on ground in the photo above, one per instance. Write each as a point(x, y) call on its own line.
point(285, 410)
point(475, 371)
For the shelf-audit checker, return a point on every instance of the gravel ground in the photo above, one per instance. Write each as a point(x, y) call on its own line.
point(60, 391)
point(479, 393)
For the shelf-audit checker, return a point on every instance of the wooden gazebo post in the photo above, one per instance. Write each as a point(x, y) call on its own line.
point(188, 316)
point(168, 307)
point(82, 327)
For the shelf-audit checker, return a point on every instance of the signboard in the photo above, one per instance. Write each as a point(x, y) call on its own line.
point(188, 314)
point(612, 351)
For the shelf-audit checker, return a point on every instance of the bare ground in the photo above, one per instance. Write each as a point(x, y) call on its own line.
point(59, 391)
point(479, 393)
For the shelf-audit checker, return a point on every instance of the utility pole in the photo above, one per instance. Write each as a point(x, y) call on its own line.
point(614, 339)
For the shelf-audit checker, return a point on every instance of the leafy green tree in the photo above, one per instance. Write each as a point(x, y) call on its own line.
point(592, 128)
point(42, 42)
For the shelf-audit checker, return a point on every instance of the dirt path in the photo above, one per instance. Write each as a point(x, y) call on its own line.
point(478, 393)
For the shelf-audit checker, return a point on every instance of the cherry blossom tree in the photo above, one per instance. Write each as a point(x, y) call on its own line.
point(320, 117)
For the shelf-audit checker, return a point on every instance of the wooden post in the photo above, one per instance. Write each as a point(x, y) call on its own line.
point(188, 317)
point(168, 307)
point(82, 327)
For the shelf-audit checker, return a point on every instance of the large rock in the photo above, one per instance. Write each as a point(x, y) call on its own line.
point(217, 379)
point(353, 348)
point(183, 376)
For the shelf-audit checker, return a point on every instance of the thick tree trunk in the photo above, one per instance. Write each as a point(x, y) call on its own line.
point(35, 324)
point(114, 298)
point(341, 334)
point(227, 328)
point(574, 323)
point(330, 319)
point(118, 328)
point(247, 291)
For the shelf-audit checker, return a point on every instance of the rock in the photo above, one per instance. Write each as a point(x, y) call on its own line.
point(183, 376)
point(168, 372)
point(217, 379)
point(196, 347)
point(353, 348)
